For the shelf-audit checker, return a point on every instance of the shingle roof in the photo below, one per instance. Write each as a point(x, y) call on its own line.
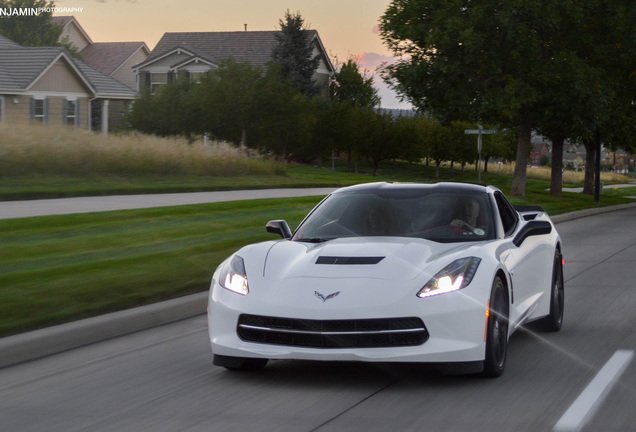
point(254, 47)
point(8, 43)
point(21, 66)
point(106, 57)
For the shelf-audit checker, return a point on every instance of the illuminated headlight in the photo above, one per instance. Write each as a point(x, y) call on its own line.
point(453, 277)
point(233, 276)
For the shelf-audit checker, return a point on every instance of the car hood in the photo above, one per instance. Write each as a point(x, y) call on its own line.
point(384, 258)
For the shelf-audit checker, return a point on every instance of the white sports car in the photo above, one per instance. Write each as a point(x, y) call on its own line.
point(386, 272)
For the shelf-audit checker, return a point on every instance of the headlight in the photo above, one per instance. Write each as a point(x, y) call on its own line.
point(233, 276)
point(453, 277)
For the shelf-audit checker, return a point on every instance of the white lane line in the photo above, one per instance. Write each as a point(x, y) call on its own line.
point(590, 399)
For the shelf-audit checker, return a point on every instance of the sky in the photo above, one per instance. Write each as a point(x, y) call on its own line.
point(347, 28)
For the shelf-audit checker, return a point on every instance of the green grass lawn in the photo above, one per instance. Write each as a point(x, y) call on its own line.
point(61, 268)
point(57, 269)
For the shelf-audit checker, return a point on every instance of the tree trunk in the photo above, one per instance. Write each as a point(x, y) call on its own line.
point(590, 159)
point(523, 152)
point(243, 138)
point(556, 177)
point(437, 164)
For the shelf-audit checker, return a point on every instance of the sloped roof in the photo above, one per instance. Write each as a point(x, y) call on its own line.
point(21, 66)
point(253, 47)
point(104, 85)
point(24, 64)
point(62, 20)
point(8, 43)
point(106, 57)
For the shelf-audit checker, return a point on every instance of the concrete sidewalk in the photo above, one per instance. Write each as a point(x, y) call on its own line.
point(40, 343)
point(47, 207)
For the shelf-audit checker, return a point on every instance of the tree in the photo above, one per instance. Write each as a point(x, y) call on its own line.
point(294, 53)
point(351, 87)
point(30, 30)
point(481, 61)
point(168, 112)
point(228, 100)
point(286, 119)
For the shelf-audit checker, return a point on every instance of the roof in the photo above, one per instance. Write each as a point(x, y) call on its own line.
point(64, 21)
point(8, 43)
point(107, 57)
point(444, 187)
point(254, 47)
point(21, 67)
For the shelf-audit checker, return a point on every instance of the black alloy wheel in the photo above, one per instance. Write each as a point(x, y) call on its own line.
point(496, 330)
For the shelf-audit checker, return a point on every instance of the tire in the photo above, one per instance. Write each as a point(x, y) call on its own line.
point(496, 330)
point(239, 363)
point(554, 321)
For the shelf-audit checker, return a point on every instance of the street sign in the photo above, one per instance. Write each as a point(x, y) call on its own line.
point(480, 131)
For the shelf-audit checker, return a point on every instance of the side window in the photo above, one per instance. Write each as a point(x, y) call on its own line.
point(507, 213)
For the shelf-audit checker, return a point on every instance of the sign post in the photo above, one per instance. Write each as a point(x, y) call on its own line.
point(479, 132)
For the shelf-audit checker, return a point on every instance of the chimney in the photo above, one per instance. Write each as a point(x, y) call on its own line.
point(245, 27)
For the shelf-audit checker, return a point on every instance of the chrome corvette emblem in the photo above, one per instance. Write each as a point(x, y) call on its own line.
point(323, 298)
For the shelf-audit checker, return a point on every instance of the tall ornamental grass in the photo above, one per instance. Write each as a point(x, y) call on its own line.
point(48, 150)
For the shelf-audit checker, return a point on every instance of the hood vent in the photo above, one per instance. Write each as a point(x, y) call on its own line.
point(348, 260)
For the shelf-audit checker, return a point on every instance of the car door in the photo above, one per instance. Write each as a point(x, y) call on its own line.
point(529, 264)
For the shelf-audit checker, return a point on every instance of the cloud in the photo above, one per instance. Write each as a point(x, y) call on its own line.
point(373, 63)
point(376, 29)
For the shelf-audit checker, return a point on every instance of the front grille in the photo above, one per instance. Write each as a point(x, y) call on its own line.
point(360, 333)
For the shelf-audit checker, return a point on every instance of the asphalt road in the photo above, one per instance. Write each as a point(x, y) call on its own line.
point(163, 379)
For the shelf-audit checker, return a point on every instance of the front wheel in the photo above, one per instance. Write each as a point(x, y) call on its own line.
point(496, 330)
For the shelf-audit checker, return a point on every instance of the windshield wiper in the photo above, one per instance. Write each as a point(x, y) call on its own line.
point(313, 240)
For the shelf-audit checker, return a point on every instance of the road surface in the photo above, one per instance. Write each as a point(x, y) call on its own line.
point(163, 379)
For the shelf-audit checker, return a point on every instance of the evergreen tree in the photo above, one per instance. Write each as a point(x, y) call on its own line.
point(294, 53)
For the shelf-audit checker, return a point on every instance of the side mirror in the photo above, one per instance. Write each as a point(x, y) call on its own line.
point(280, 228)
point(532, 228)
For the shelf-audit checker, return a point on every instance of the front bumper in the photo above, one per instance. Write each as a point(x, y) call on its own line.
point(454, 322)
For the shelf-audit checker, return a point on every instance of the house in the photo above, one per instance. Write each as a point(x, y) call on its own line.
point(47, 85)
point(539, 149)
point(114, 59)
point(192, 55)
point(573, 161)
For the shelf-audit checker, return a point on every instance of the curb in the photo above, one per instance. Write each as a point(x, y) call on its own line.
point(590, 212)
point(52, 340)
point(40, 343)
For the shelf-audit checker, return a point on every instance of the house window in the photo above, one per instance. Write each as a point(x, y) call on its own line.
point(196, 77)
point(1, 108)
point(39, 110)
point(157, 80)
point(71, 113)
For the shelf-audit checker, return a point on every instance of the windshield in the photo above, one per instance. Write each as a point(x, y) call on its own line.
point(442, 217)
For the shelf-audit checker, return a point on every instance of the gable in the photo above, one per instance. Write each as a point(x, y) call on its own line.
point(60, 77)
point(75, 34)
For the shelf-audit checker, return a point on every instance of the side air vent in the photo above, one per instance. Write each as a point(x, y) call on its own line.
point(348, 260)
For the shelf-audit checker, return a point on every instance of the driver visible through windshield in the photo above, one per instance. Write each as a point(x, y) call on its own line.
point(438, 216)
